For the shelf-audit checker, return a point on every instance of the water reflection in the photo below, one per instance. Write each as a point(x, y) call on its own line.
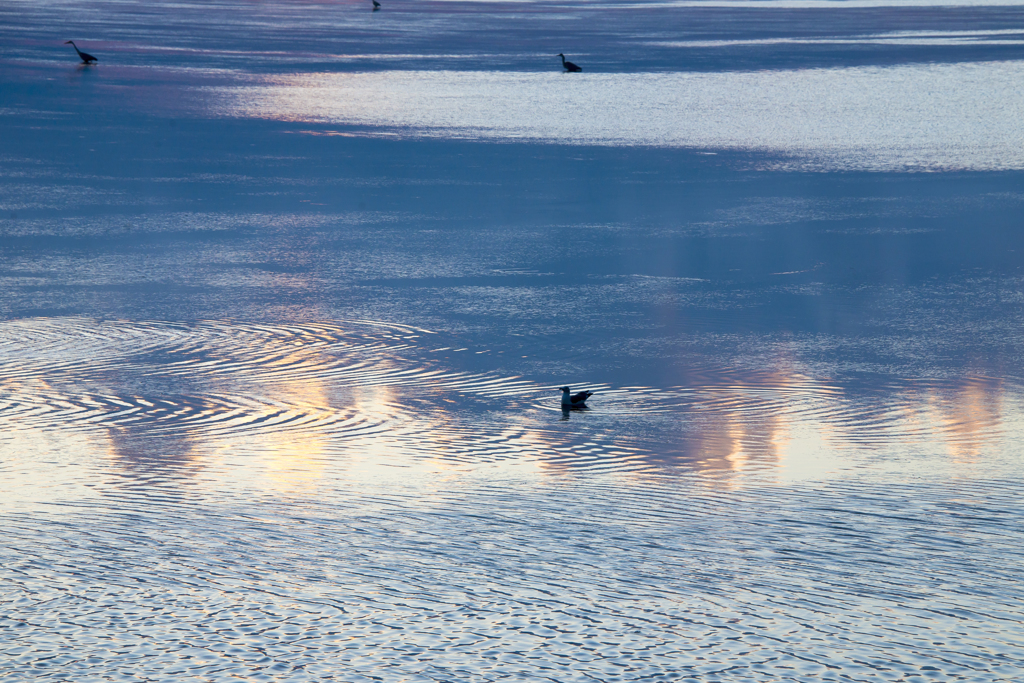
point(993, 37)
point(142, 454)
point(290, 404)
point(825, 4)
point(971, 416)
point(930, 117)
point(281, 488)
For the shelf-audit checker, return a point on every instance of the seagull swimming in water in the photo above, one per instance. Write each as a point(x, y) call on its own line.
point(574, 401)
point(86, 57)
point(569, 66)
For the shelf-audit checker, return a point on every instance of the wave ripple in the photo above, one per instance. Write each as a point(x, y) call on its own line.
point(222, 500)
point(380, 392)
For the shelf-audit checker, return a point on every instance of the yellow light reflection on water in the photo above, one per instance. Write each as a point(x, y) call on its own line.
point(291, 411)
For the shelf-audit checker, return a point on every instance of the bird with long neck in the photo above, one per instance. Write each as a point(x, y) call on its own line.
point(86, 57)
point(569, 66)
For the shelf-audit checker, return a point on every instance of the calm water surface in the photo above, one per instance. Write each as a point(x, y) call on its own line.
point(287, 290)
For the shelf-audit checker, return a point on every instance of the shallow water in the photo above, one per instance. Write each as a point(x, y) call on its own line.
point(926, 117)
point(288, 289)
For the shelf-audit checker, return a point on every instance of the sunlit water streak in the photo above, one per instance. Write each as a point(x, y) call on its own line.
point(927, 117)
point(822, 4)
point(818, 4)
point(994, 37)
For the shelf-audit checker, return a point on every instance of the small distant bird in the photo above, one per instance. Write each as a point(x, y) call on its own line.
point(574, 401)
point(569, 66)
point(86, 57)
point(376, 5)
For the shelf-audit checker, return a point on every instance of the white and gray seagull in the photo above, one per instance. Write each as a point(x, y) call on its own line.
point(574, 401)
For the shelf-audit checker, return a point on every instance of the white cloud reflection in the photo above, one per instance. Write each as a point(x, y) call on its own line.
point(930, 38)
point(928, 117)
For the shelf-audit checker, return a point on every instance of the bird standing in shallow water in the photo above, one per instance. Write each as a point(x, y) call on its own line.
point(376, 5)
point(86, 57)
point(574, 401)
point(569, 66)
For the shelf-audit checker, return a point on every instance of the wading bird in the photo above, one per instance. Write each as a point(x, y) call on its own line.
point(86, 57)
point(574, 401)
point(376, 5)
point(569, 66)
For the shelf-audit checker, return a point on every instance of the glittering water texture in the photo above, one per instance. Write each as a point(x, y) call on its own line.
point(312, 501)
point(287, 290)
point(925, 117)
point(640, 582)
point(327, 394)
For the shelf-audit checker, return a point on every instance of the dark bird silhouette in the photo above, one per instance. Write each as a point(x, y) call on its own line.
point(569, 66)
point(86, 57)
point(574, 401)
point(376, 5)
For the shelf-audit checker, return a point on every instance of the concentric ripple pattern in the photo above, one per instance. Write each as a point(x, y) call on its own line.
point(175, 394)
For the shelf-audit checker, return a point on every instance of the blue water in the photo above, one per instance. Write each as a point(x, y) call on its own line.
point(288, 290)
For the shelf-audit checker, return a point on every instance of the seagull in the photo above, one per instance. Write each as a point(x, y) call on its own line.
point(574, 401)
point(376, 5)
point(569, 66)
point(86, 58)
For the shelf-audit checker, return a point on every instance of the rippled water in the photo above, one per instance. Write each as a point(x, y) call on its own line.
point(706, 585)
point(216, 499)
point(287, 291)
point(962, 116)
point(354, 390)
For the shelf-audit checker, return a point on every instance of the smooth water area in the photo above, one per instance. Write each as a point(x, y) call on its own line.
point(287, 290)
